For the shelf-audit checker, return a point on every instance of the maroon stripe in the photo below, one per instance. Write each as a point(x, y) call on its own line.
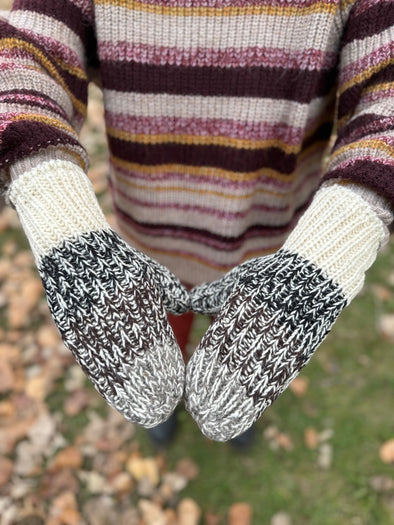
point(364, 125)
point(21, 96)
point(278, 83)
point(21, 139)
point(322, 134)
point(215, 156)
point(63, 10)
point(369, 22)
point(379, 177)
point(350, 98)
point(206, 237)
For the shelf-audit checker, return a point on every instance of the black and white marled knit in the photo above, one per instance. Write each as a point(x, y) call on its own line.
point(108, 301)
point(273, 318)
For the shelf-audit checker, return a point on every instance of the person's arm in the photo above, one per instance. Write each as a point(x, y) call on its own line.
point(108, 300)
point(273, 312)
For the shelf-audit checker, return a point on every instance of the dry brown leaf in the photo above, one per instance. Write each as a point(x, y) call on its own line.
point(152, 514)
point(382, 292)
point(386, 451)
point(189, 512)
point(7, 410)
point(65, 509)
point(187, 468)
point(122, 482)
point(10, 353)
point(6, 470)
point(382, 483)
point(281, 518)
point(143, 467)
point(284, 441)
point(76, 402)
point(48, 337)
point(324, 459)
point(7, 377)
point(11, 434)
point(69, 457)
point(37, 387)
point(311, 437)
point(240, 514)
point(386, 327)
point(31, 292)
point(299, 386)
point(210, 518)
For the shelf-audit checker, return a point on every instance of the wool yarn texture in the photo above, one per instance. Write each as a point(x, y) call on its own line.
point(273, 312)
point(107, 299)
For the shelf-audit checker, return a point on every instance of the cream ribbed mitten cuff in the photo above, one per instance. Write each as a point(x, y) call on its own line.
point(341, 234)
point(55, 201)
point(107, 299)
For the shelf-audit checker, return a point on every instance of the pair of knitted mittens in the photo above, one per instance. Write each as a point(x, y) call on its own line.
point(108, 300)
point(274, 311)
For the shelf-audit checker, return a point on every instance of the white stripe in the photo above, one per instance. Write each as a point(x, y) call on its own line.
point(243, 109)
point(116, 23)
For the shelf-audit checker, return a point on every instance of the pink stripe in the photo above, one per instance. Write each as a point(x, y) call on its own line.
point(309, 59)
point(378, 96)
point(230, 216)
point(205, 127)
point(372, 59)
point(52, 46)
point(207, 181)
point(237, 3)
point(25, 99)
point(350, 162)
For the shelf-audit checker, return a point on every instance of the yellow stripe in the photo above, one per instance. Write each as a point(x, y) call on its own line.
point(198, 140)
point(11, 43)
point(365, 75)
point(178, 189)
point(134, 5)
point(35, 117)
point(362, 145)
point(205, 171)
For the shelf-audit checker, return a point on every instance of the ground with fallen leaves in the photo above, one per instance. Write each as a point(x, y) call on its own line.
point(324, 453)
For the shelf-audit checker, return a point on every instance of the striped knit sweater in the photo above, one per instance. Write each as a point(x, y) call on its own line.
point(218, 112)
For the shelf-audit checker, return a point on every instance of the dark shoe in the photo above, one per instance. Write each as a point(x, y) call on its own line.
point(244, 441)
point(163, 434)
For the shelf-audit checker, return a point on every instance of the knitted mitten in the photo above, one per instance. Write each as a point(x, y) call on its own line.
point(107, 299)
point(274, 312)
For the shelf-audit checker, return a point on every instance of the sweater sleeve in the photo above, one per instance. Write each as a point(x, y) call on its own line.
point(364, 150)
point(44, 45)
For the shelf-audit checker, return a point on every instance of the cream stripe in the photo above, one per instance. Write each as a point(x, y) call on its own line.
point(341, 235)
point(216, 33)
point(242, 109)
point(30, 79)
point(359, 48)
point(47, 26)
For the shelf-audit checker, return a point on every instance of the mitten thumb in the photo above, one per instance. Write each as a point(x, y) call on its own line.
point(208, 298)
